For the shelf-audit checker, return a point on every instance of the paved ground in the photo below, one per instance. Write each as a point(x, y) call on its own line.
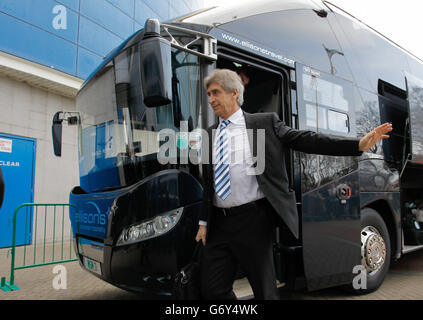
point(404, 282)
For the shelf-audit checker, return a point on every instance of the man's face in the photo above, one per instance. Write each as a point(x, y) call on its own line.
point(224, 103)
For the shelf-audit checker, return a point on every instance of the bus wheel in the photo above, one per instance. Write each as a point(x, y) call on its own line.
point(375, 250)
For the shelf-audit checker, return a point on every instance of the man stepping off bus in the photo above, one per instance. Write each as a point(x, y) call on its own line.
point(235, 224)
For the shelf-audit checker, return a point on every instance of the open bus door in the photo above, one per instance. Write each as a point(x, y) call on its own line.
point(330, 202)
point(415, 102)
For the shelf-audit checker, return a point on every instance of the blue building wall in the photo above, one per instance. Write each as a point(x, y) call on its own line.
point(73, 36)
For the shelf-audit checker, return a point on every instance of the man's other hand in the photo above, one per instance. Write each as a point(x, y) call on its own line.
point(201, 234)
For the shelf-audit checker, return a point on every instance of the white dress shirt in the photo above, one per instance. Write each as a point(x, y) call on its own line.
point(244, 185)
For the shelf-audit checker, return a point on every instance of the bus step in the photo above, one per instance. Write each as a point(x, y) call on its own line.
point(243, 291)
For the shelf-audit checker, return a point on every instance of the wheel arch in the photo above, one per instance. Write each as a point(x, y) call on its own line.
point(387, 213)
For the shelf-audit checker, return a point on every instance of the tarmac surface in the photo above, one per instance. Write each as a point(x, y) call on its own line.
point(403, 282)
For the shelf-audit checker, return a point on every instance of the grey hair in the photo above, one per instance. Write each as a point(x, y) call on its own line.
point(229, 80)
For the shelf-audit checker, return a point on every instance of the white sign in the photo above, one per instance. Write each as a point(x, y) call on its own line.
point(5, 145)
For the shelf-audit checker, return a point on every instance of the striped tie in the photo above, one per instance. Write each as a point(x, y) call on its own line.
point(221, 169)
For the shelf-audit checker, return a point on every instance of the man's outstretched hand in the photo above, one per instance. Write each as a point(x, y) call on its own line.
point(373, 137)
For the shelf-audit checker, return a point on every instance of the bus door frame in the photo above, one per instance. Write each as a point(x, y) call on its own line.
point(282, 238)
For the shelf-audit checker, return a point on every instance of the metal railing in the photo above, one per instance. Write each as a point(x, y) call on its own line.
point(58, 210)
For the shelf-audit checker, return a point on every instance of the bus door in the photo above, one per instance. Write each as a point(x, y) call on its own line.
point(266, 90)
point(330, 203)
point(17, 160)
point(415, 101)
point(265, 84)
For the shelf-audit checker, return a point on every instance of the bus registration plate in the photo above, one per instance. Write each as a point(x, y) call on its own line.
point(92, 265)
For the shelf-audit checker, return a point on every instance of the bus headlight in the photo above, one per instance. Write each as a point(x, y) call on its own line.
point(150, 228)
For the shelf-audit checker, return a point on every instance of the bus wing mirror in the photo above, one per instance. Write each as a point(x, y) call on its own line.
point(56, 131)
point(156, 68)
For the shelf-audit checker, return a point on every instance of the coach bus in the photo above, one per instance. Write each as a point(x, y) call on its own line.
point(310, 62)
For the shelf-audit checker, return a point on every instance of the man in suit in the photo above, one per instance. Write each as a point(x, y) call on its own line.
point(235, 224)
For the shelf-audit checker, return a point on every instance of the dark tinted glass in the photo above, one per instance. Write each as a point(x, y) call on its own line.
point(119, 135)
point(377, 58)
point(298, 34)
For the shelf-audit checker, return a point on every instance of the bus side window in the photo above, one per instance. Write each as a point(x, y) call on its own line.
point(338, 121)
point(326, 104)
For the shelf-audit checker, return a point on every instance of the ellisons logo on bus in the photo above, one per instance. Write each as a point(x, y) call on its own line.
point(93, 218)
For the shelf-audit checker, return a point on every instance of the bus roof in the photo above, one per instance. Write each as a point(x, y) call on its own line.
point(240, 21)
point(215, 16)
point(219, 15)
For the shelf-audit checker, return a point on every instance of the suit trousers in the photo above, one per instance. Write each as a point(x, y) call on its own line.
point(245, 240)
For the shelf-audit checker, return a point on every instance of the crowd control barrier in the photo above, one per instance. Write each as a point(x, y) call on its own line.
point(48, 241)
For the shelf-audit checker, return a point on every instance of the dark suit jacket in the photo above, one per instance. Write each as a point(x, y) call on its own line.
point(273, 182)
